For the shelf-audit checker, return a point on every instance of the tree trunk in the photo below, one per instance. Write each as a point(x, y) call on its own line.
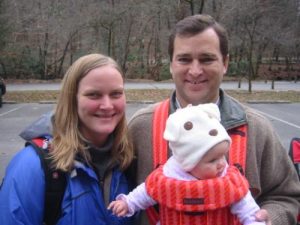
point(200, 11)
point(126, 49)
point(250, 85)
point(43, 56)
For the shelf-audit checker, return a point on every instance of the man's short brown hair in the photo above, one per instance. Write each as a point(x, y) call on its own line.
point(193, 25)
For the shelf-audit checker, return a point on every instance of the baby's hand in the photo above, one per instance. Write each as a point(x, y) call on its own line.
point(118, 207)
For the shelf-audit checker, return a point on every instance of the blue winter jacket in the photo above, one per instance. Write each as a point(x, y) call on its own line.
point(22, 194)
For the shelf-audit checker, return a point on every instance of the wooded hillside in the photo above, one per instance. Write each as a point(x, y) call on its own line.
point(41, 38)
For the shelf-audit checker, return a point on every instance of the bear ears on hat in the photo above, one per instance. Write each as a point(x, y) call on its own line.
point(174, 121)
point(211, 109)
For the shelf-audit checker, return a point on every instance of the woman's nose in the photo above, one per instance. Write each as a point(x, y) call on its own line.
point(105, 103)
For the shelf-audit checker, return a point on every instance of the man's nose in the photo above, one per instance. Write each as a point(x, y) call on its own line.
point(195, 68)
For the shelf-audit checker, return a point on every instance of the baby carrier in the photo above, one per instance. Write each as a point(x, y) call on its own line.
point(237, 158)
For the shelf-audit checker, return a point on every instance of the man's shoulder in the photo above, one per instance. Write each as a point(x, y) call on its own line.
point(254, 115)
point(140, 124)
point(142, 114)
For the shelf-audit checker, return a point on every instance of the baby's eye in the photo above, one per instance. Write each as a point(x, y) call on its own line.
point(213, 160)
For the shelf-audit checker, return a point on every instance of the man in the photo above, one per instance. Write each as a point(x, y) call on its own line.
point(198, 50)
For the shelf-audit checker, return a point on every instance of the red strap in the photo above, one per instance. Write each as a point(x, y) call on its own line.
point(160, 147)
point(296, 150)
point(239, 146)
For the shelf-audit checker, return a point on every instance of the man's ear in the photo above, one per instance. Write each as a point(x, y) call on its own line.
point(225, 63)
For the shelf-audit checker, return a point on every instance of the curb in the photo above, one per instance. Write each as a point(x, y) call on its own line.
point(54, 102)
point(152, 102)
point(9, 102)
point(268, 102)
point(140, 102)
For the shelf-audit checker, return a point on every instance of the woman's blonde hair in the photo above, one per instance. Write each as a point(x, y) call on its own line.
point(67, 140)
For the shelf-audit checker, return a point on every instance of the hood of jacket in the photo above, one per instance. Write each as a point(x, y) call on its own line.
point(40, 128)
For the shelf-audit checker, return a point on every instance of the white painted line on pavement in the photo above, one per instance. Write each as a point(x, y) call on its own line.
point(12, 110)
point(283, 121)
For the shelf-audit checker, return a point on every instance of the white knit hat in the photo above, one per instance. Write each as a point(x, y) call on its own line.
point(192, 131)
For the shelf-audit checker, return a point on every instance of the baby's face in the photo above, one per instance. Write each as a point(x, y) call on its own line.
point(212, 163)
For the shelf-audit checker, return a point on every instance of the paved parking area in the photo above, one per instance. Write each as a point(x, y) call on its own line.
point(15, 117)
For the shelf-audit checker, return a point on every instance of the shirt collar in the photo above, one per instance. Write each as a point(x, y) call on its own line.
point(178, 106)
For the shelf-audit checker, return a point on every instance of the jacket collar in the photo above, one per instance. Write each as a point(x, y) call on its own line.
point(232, 112)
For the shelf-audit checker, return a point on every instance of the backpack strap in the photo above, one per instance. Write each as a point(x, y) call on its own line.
point(55, 182)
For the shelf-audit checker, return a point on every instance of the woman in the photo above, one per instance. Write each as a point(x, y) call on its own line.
point(89, 143)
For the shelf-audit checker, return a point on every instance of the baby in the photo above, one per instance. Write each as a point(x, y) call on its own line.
point(199, 145)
